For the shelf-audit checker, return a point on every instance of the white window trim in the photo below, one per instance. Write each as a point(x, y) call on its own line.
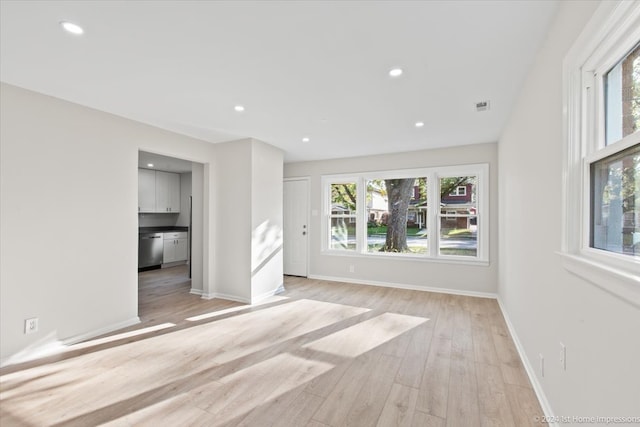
point(433, 175)
point(326, 209)
point(457, 192)
point(611, 33)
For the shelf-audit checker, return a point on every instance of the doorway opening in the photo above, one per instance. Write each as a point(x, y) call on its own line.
point(168, 218)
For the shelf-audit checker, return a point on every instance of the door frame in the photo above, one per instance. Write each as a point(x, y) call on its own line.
point(203, 225)
point(306, 179)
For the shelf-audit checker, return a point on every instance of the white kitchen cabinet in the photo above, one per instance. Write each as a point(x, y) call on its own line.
point(182, 249)
point(158, 191)
point(146, 190)
point(175, 247)
point(167, 192)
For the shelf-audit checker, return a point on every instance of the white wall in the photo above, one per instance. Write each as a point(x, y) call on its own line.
point(251, 201)
point(412, 273)
point(196, 243)
point(157, 219)
point(75, 268)
point(233, 226)
point(546, 304)
point(266, 221)
point(185, 193)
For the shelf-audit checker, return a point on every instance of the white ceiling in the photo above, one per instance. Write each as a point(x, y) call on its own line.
point(316, 69)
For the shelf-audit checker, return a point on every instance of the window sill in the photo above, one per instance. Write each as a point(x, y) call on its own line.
point(620, 283)
point(408, 257)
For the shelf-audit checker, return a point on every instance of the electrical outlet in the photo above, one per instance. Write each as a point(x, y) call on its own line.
point(563, 357)
point(31, 325)
point(541, 365)
point(352, 268)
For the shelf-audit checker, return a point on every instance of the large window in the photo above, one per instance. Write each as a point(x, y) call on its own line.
point(602, 177)
point(615, 179)
point(431, 213)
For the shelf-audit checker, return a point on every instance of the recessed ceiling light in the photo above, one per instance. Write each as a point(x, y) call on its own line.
point(239, 108)
point(419, 124)
point(395, 72)
point(149, 165)
point(72, 28)
point(305, 139)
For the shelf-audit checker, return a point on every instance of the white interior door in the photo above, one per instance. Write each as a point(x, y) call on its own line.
point(296, 228)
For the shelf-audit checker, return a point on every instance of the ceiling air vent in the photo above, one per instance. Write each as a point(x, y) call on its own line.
point(482, 106)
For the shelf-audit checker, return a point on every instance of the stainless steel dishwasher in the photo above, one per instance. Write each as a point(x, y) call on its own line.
point(150, 248)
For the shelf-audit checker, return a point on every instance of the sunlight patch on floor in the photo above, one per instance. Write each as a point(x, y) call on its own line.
point(250, 387)
point(367, 335)
point(234, 309)
point(221, 359)
point(116, 337)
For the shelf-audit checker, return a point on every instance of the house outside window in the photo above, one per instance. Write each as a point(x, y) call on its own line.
point(459, 191)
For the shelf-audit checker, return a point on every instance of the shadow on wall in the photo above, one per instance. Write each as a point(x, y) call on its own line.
point(266, 243)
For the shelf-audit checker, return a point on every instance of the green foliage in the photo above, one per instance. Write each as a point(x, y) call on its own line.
point(344, 195)
point(381, 230)
point(459, 251)
point(459, 232)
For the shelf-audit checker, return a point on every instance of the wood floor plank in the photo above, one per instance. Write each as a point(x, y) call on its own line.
point(299, 412)
point(338, 403)
point(510, 364)
point(434, 385)
point(524, 406)
point(495, 409)
point(462, 402)
point(323, 354)
point(483, 345)
point(420, 419)
point(415, 358)
point(444, 322)
point(463, 407)
point(399, 407)
point(367, 406)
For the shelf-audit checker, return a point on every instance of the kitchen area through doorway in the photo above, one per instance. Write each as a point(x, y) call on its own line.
point(165, 225)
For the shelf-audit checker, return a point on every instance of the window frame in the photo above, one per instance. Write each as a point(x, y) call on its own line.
point(457, 192)
point(433, 175)
point(613, 31)
point(328, 214)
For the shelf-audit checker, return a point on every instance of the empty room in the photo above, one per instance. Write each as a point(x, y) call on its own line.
point(319, 213)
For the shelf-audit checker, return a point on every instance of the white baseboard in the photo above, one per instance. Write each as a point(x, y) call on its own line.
point(266, 295)
point(225, 296)
point(236, 298)
point(537, 387)
point(51, 345)
point(97, 332)
point(406, 286)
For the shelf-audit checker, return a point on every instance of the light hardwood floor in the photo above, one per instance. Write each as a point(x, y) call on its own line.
point(319, 354)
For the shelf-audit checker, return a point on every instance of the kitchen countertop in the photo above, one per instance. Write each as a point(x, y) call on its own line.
point(162, 229)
